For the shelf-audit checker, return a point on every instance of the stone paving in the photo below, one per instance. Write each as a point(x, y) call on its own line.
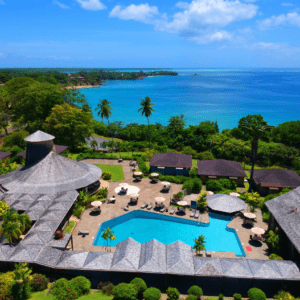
point(148, 191)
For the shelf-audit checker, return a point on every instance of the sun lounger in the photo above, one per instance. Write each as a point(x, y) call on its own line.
point(144, 205)
point(138, 178)
point(172, 210)
point(163, 209)
point(83, 232)
point(155, 180)
point(192, 213)
point(197, 214)
point(150, 206)
point(126, 207)
point(208, 253)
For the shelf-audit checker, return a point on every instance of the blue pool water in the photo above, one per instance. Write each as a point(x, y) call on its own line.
point(144, 226)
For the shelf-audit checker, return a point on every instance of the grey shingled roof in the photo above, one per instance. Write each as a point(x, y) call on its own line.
point(37, 238)
point(4, 154)
point(21, 205)
point(99, 142)
point(264, 269)
point(236, 268)
point(60, 243)
point(126, 256)
point(153, 257)
point(53, 174)
point(288, 269)
point(171, 159)
point(25, 253)
point(34, 215)
point(276, 178)
point(49, 257)
point(225, 203)
point(220, 167)
point(98, 261)
point(39, 136)
point(6, 251)
point(282, 209)
point(207, 266)
point(72, 260)
point(180, 259)
point(58, 149)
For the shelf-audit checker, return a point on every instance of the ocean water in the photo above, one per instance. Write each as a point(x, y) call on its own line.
point(225, 95)
point(143, 226)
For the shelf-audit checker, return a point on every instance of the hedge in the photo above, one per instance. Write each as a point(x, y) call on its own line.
point(256, 294)
point(124, 291)
point(152, 294)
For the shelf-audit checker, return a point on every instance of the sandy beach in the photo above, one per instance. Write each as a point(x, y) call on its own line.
point(81, 86)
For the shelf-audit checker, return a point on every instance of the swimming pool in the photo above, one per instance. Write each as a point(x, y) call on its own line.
point(144, 226)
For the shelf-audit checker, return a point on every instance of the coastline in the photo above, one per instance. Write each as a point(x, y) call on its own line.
point(76, 87)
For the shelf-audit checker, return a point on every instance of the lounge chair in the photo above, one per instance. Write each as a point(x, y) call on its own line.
point(202, 253)
point(155, 180)
point(192, 213)
point(163, 209)
point(144, 205)
point(197, 214)
point(150, 206)
point(138, 178)
point(83, 232)
point(208, 253)
point(126, 207)
point(172, 210)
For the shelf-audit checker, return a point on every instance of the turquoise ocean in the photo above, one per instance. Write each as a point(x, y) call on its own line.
point(225, 95)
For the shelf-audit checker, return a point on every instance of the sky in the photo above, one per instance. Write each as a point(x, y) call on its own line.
point(150, 34)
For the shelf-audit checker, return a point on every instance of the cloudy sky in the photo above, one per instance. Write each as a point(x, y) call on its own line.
point(154, 33)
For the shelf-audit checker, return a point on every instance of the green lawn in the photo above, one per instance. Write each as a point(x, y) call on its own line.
point(95, 295)
point(115, 170)
point(70, 226)
point(195, 163)
point(125, 154)
point(107, 138)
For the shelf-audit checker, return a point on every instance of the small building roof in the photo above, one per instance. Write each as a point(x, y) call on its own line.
point(276, 178)
point(4, 155)
point(180, 259)
point(225, 203)
point(220, 167)
point(58, 149)
point(39, 136)
point(171, 159)
point(207, 266)
point(282, 209)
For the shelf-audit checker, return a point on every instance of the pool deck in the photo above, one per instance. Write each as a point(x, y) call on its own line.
point(148, 191)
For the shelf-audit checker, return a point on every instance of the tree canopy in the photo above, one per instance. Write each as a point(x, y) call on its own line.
point(288, 133)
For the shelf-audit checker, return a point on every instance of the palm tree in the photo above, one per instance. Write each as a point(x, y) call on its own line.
point(257, 130)
point(24, 222)
point(10, 216)
point(94, 144)
point(199, 244)
point(10, 231)
point(146, 109)
point(104, 110)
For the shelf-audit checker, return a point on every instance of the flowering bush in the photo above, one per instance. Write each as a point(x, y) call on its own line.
point(39, 283)
point(106, 175)
point(81, 284)
point(6, 281)
point(3, 207)
point(62, 290)
point(106, 288)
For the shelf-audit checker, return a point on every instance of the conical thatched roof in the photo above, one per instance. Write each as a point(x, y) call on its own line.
point(53, 174)
point(225, 203)
point(39, 136)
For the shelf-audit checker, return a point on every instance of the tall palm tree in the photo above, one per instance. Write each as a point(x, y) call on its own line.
point(24, 222)
point(104, 110)
point(10, 231)
point(257, 130)
point(146, 109)
point(10, 216)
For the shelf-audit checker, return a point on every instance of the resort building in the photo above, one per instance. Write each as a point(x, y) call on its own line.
point(285, 216)
point(99, 142)
point(270, 181)
point(4, 155)
point(221, 168)
point(171, 163)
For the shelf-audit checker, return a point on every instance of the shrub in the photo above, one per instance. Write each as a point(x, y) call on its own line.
point(81, 284)
point(77, 210)
point(284, 295)
point(106, 288)
point(102, 193)
point(6, 282)
point(196, 291)
point(193, 172)
point(191, 297)
point(20, 291)
point(173, 293)
point(3, 207)
point(213, 185)
point(140, 285)
point(152, 294)
point(228, 184)
point(256, 294)
point(142, 165)
point(178, 195)
point(39, 283)
point(221, 297)
point(206, 155)
point(237, 296)
point(124, 291)
point(274, 256)
point(188, 185)
point(106, 175)
point(63, 290)
point(197, 185)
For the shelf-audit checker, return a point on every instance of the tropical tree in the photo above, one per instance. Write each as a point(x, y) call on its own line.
point(24, 222)
point(111, 144)
point(104, 144)
point(10, 231)
point(146, 109)
point(104, 110)
point(94, 144)
point(108, 234)
point(253, 200)
point(201, 202)
point(105, 235)
point(10, 216)
point(257, 128)
point(20, 289)
point(199, 244)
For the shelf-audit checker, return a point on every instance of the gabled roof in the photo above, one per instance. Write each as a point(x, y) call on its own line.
point(153, 257)
point(37, 238)
point(171, 159)
point(39, 136)
point(25, 253)
point(98, 261)
point(180, 259)
point(220, 167)
point(236, 268)
point(6, 251)
point(207, 266)
point(4, 154)
point(58, 149)
point(49, 257)
point(53, 174)
point(126, 256)
point(276, 178)
point(265, 269)
point(288, 269)
point(282, 209)
point(72, 260)
point(225, 203)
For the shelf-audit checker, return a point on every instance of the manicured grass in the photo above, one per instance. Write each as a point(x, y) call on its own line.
point(125, 154)
point(70, 226)
point(195, 163)
point(41, 296)
point(95, 295)
point(107, 138)
point(115, 170)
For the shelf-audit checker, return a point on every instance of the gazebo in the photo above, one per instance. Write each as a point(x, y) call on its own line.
point(225, 203)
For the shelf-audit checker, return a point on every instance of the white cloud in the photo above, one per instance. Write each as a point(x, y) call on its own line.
point(218, 36)
point(287, 4)
point(283, 48)
point(91, 4)
point(141, 12)
point(61, 5)
point(2, 2)
point(274, 21)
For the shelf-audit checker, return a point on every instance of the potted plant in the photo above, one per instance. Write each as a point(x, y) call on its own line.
point(58, 235)
point(178, 196)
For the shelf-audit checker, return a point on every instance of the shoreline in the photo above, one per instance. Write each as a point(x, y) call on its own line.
point(77, 87)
